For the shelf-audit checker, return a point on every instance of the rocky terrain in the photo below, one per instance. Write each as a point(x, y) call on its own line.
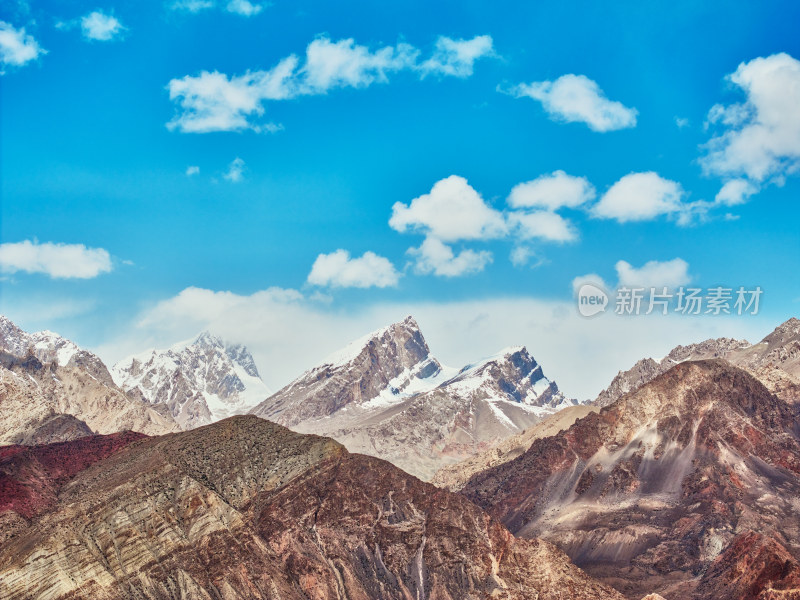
point(688, 487)
point(199, 382)
point(775, 361)
point(51, 390)
point(386, 396)
point(245, 508)
point(455, 477)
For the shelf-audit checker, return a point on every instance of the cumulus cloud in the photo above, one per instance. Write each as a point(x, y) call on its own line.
point(235, 170)
point(436, 257)
point(17, 48)
point(640, 197)
point(451, 211)
point(338, 269)
point(576, 98)
point(654, 274)
point(243, 8)
point(192, 170)
point(735, 191)
point(457, 57)
point(553, 191)
point(59, 261)
point(100, 26)
point(543, 225)
point(759, 138)
point(213, 101)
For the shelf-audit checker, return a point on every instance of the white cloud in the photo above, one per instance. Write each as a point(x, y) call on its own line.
point(235, 170)
point(338, 269)
point(243, 8)
point(544, 225)
point(640, 197)
point(553, 191)
point(576, 98)
point(100, 26)
point(735, 191)
point(457, 57)
point(760, 138)
point(17, 48)
point(346, 64)
point(289, 334)
point(435, 257)
point(192, 6)
point(59, 261)
point(681, 122)
point(654, 274)
point(192, 170)
point(452, 211)
point(213, 101)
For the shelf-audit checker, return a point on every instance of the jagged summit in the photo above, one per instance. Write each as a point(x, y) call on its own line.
point(386, 395)
point(200, 380)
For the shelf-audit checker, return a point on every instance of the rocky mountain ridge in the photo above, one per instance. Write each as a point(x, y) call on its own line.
point(661, 491)
point(199, 382)
point(245, 508)
point(385, 395)
point(52, 390)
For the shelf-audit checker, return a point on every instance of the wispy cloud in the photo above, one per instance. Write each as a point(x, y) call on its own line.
point(214, 101)
point(235, 171)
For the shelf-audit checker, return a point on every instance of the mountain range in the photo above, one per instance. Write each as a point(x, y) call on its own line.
point(680, 481)
point(687, 485)
point(51, 390)
point(385, 395)
point(245, 508)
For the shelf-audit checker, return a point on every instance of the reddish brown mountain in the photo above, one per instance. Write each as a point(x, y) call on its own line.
point(654, 493)
point(245, 508)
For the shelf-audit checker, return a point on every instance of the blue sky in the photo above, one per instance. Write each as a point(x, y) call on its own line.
point(133, 218)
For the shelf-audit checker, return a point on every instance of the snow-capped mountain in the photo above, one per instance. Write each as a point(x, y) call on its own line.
point(53, 390)
point(385, 395)
point(200, 381)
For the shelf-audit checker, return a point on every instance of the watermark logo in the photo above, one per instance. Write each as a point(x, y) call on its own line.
point(591, 300)
point(718, 300)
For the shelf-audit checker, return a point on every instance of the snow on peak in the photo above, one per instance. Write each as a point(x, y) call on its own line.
point(201, 380)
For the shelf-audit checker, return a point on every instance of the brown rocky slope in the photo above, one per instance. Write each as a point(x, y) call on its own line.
point(653, 493)
point(245, 508)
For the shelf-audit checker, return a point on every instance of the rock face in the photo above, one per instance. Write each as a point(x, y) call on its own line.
point(199, 382)
point(386, 396)
point(245, 508)
point(653, 493)
point(775, 361)
point(455, 477)
point(51, 390)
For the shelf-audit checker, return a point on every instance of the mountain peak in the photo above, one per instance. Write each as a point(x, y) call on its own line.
point(406, 333)
point(200, 380)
